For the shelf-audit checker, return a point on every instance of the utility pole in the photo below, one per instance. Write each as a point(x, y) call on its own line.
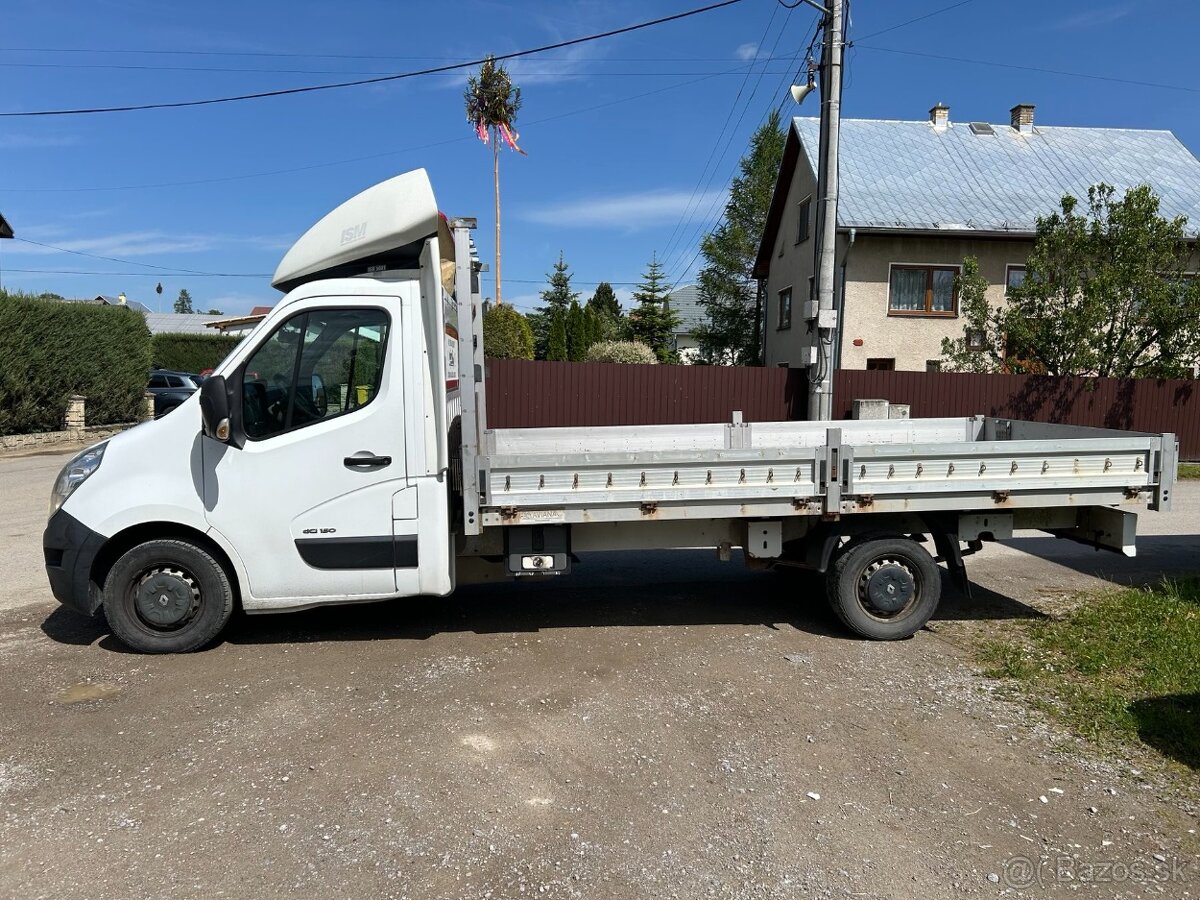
point(820, 398)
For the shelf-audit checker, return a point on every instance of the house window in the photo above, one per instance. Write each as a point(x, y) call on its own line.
point(785, 308)
point(933, 365)
point(976, 339)
point(881, 364)
point(802, 227)
point(1014, 277)
point(923, 291)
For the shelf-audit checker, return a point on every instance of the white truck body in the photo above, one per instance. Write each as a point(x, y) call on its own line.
point(364, 467)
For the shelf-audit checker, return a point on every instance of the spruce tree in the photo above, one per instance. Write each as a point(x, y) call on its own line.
point(605, 301)
point(651, 322)
point(556, 298)
point(184, 303)
point(728, 291)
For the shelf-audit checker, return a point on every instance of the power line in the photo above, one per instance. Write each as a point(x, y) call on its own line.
point(141, 274)
point(124, 67)
point(928, 15)
point(699, 230)
point(683, 216)
point(127, 262)
point(1039, 69)
point(178, 104)
point(354, 159)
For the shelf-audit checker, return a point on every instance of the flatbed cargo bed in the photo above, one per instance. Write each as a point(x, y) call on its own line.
point(578, 475)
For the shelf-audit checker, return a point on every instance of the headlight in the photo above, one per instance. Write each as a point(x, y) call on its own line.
point(75, 473)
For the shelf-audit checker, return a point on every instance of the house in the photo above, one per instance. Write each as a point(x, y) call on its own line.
point(685, 303)
point(917, 197)
point(119, 300)
point(5, 229)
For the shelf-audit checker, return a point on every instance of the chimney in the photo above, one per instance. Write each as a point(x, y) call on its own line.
point(121, 298)
point(1022, 118)
point(939, 115)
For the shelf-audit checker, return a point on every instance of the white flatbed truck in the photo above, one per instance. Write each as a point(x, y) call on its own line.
point(341, 454)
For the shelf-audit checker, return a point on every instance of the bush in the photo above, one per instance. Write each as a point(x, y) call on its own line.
point(51, 350)
point(506, 334)
point(621, 352)
point(190, 352)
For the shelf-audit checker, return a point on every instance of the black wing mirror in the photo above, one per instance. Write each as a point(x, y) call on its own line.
point(214, 409)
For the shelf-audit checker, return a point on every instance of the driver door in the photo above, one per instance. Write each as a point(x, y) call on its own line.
point(308, 499)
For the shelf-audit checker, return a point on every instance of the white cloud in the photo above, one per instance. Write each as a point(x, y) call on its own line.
point(624, 211)
point(1095, 17)
point(132, 243)
point(19, 141)
point(746, 51)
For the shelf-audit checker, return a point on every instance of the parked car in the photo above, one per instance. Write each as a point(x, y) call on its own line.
point(170, 389)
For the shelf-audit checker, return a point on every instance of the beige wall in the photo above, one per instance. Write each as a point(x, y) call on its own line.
point(791, 266)
point(911, 340)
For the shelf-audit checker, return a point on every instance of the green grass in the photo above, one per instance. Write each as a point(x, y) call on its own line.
point(1123, 666)
point(1189, 470)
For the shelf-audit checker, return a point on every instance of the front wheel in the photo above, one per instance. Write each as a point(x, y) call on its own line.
point(167, 596)
point(885, 589)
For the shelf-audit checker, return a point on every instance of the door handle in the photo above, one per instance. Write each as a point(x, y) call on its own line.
point(367, 462)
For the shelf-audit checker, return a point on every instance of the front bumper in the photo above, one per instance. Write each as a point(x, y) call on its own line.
point(70, 548)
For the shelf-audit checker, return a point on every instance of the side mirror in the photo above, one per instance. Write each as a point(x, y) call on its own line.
point(319, 398)
point(214, 409)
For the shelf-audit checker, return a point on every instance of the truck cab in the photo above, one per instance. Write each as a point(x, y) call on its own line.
point(313, 468)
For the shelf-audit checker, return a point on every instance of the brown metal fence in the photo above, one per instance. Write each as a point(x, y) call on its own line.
point(524, 394)
point(1139, 404)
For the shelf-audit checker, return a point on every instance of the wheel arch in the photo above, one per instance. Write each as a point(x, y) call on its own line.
point(123, 541)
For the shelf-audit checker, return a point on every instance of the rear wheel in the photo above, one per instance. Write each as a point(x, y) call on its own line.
point(167, 596)
point(885, 589)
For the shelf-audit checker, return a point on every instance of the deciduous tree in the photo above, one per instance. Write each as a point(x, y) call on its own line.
point(1109, 291)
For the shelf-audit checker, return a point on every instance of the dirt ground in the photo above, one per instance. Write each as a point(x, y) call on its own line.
point(654, 725)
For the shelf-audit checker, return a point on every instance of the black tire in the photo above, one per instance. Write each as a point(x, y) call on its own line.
point(885, 589)
point(167, 596)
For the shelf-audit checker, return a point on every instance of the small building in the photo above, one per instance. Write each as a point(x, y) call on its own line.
point(5, 229)
point(916, 197)
point(239, 325)
point(685, 303)
point(180, 323)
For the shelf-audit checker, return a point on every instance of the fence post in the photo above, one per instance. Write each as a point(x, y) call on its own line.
point(76, 413)
point(147, 406)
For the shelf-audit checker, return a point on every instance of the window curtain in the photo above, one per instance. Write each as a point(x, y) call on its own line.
point(908, 290)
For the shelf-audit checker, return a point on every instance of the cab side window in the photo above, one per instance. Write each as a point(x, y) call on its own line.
point(315, 366)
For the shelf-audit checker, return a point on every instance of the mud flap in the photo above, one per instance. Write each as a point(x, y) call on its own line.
point(949, 552)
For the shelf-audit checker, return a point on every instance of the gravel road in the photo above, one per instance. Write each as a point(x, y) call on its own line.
point(655, 725)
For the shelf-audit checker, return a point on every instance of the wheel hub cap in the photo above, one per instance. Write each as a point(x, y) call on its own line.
point(889, 587)
point(167, 597)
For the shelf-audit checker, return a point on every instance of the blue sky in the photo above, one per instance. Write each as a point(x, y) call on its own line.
point(631, 140)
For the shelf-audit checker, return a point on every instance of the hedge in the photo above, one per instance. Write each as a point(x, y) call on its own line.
point(190, 352)
point(51, 350)
point(621, 352)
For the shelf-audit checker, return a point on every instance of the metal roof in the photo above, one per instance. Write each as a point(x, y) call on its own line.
point(180, 323)
point(911, 176)
point(685, 302)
